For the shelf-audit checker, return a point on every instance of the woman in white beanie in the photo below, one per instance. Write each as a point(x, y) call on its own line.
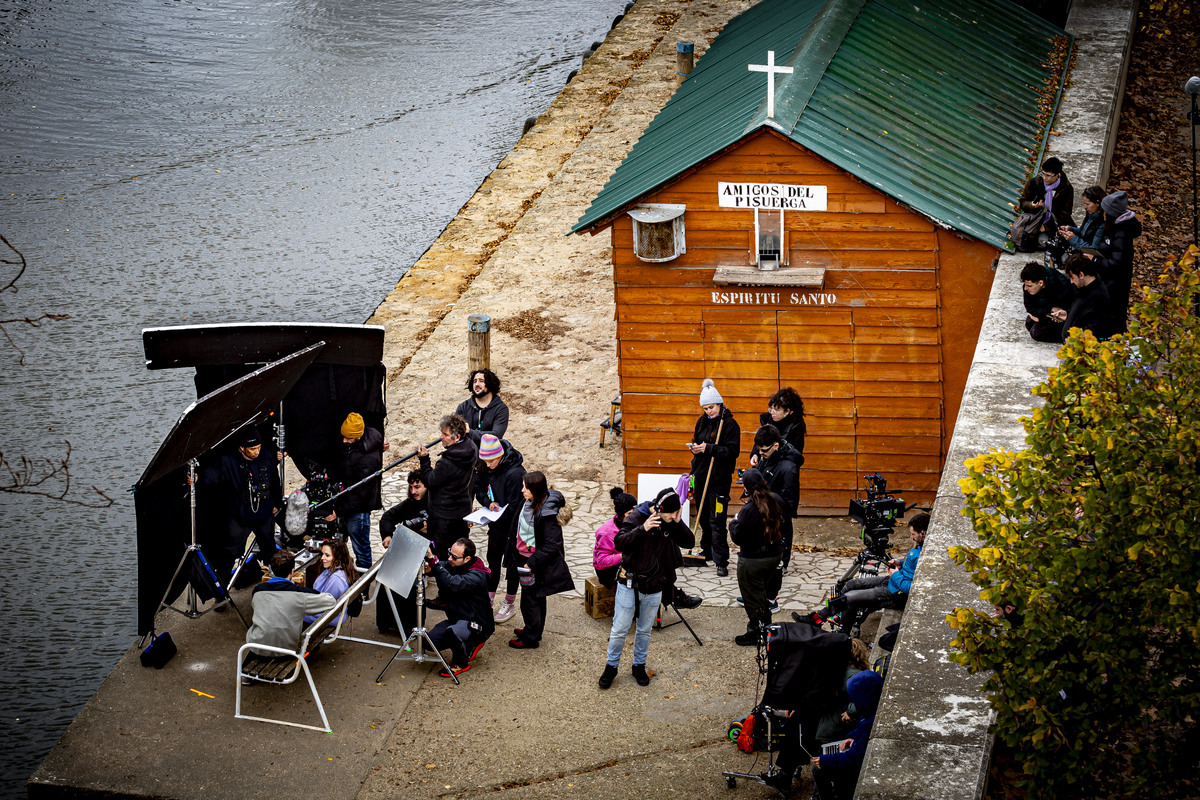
point(715, 446)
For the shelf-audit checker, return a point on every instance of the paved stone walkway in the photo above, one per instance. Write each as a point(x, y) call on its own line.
point(809, 576)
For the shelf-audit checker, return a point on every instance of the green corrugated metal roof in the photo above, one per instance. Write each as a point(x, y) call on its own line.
point(935, 103)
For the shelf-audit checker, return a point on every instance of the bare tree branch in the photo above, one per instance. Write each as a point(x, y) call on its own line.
point(29, 477)
point(11, 286)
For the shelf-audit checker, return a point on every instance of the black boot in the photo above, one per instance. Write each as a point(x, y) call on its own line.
point(606, 677)
point(639, 675)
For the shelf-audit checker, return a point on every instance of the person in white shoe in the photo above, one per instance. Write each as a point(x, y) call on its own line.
point(499, 473)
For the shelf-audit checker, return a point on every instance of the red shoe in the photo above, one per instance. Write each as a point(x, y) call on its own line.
point(521, 644)
point(475, 652)
point(454, 669)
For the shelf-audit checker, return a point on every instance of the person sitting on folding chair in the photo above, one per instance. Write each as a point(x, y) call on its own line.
point(463, 586)
point(280, 605)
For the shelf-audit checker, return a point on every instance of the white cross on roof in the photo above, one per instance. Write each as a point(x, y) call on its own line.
point(771, 70)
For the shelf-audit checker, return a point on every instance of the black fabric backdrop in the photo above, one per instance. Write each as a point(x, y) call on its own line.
point(313, 412)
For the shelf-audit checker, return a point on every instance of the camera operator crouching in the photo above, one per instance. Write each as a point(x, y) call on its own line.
point(649, 541)
point(877, 591)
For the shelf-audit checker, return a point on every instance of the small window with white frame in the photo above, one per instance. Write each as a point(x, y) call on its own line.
point(768, 237)
point(658, 231)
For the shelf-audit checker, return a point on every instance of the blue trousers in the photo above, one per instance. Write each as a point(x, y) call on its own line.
point(358, 528)
point(623, 615)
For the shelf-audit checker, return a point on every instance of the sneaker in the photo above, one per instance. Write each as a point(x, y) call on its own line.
point(639, 675)
point(687, 601)
point(606, 677)
point(722, 572)
point(475, 652)
point(774, 605)
point(740, 602)
point(812, 618)
point(454, 670)
point(436, 603)
point(747, 639)
point(506, 611)
point(247, 682)
point(522, 644)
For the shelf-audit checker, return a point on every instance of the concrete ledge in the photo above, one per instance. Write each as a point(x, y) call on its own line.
point(931, 737)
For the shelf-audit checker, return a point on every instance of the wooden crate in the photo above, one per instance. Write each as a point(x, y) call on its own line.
point(598, 599)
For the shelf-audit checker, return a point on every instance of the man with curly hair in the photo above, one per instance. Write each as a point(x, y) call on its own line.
point(484, 411)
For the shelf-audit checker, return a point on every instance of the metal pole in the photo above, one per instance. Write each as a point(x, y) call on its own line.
point(192, 606)
point(374, 474)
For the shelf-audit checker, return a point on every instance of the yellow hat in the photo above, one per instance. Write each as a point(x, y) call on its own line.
point(353, 427)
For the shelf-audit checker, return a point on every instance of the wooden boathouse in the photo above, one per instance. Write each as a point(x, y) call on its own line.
point(836, 233)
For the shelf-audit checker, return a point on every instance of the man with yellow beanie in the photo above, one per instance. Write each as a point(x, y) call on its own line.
point(359, 455)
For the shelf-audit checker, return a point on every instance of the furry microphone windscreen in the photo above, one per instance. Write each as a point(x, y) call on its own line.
point(295, 519)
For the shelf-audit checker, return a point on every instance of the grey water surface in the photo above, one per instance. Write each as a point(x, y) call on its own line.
point(171, 161)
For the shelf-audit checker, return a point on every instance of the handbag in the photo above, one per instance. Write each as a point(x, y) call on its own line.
point(160, 650)
point(1024, 231)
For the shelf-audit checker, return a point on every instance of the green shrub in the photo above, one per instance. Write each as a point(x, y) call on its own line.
point(1092, 532)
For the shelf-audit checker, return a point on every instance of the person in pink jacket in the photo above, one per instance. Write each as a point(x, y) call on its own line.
point(605, 557)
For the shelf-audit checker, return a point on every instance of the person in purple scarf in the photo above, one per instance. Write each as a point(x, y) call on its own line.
point(1052, 194)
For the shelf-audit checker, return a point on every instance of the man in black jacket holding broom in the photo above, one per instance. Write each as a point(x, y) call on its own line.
point(715, 445)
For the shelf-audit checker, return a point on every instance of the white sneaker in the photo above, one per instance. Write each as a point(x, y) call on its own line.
point(506, 611)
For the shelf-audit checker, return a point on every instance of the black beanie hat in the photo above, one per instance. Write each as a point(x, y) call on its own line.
point(623, 502)
point(249, 437)
point(668, 501)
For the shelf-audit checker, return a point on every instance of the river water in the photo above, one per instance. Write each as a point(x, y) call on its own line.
point(163, 163)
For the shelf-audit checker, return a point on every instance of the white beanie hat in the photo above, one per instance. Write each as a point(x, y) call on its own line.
point(709, 394)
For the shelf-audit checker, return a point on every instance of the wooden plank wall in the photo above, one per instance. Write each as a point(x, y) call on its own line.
point(869, 366)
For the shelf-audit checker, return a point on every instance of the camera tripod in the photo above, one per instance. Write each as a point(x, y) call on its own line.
point(419, 634)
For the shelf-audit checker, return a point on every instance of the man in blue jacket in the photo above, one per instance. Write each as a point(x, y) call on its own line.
point(836, 774)
point(878, 590)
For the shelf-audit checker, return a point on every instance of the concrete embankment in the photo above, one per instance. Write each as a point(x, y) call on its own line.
point(930, 739)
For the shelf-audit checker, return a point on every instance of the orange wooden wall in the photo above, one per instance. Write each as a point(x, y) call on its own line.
point(881, 370)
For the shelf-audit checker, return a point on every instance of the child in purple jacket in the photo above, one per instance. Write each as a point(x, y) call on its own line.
point(605, 557)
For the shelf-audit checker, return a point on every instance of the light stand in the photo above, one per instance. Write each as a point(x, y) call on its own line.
point(419, 634)
point(193, 551)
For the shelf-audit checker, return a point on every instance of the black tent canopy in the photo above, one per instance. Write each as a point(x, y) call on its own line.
point(317, 373)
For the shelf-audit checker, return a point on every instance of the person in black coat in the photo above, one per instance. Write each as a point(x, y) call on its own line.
point(1091, 309)
point(1051, 185)
point(1114, 265)
point(248, 480)
point(499, 475)
point(538, 555)
point(779, 464)
point(462, 582)
point(785, 410)
point(758, 531)
point(649, 541)
point(412, 513)
point(449, 483)
point(1046, 291)
point(714, 458)
point(484, 411)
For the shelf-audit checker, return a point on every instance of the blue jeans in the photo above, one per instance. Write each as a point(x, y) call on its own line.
point(358, 528)
point(623, 613)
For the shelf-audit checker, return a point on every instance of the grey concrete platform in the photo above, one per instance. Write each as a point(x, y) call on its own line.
point(530, 722)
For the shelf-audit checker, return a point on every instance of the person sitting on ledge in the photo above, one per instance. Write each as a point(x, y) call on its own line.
point(1046, 291)
point(1090, 232)
point(875, 591)
point(1090, 310)
point(280, 606)
point(836, 775)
